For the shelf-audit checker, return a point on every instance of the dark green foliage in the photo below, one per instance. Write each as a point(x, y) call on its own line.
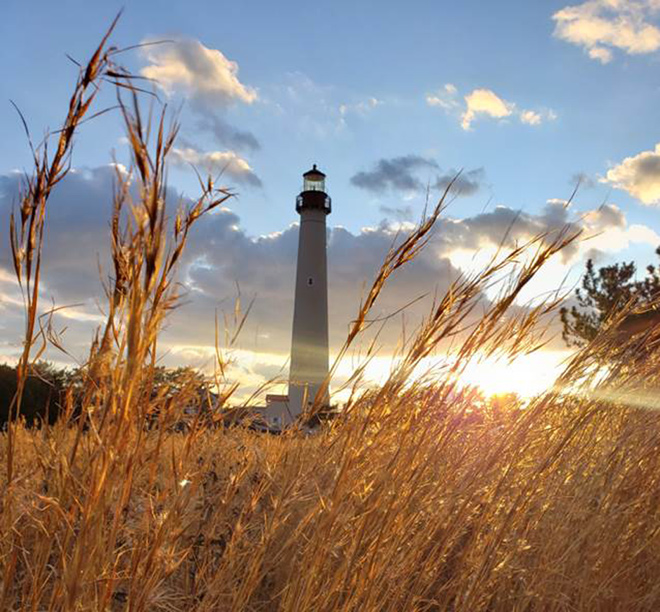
point(45, 389)
point(42, 397)
point(183, 379)
point(602, 293)
point(186, 387)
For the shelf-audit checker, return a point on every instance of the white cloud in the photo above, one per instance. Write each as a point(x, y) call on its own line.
point(643, 234)
point(615, 239)
point(483, 102)
point(445, 98)
point(639, 175)
point(203, 74)
point(361, 108)
point(536, 117)
point(312, 108)
point(215, 162)
point(530, 117)
point(600, 26)
point(604, 56)
point(210, 82)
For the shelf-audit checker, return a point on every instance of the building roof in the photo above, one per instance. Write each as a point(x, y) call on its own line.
point(273, 397)
point(314, 172)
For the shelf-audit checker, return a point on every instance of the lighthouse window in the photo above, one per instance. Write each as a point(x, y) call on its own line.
point(310, 281)
point(314, 184)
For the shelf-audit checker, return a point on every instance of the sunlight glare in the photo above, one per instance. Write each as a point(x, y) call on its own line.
point(527, 376)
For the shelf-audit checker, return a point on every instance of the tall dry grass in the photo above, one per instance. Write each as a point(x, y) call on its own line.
point(413, 500)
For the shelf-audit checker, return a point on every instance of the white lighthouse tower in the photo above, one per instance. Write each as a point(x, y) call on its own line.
point(309, 347)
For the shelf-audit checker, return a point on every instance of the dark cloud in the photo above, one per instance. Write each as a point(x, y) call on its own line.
point(509, 227)
point(466, 183)
point(607, 216)
point(596, 255)
point(396, 174)
point(225, 134)
point(77, 232)
point(222, 257)
point(400, 213)
point(402, 174)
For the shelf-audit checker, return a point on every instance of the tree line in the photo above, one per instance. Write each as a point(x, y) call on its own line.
point(48, 388)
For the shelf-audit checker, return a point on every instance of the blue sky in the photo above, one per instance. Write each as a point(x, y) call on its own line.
point(347, 53)
point(387, 97)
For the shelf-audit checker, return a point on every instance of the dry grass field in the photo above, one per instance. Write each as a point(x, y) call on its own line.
point(414, 499)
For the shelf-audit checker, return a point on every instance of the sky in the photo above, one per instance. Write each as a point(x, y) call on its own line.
point(390, 100)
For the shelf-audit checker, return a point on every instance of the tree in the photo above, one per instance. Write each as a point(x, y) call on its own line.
point(185, 389)
point(46, 386)
point(602, 293)
point(42, 396)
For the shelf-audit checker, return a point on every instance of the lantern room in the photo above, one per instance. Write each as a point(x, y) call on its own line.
point(314, 180)
point(313, 195)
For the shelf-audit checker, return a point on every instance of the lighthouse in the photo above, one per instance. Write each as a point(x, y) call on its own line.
point(309, 344)
point(309, 364)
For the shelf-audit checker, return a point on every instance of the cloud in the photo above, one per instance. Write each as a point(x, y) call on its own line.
point(608, 231)
point(446, 98)
point(361, 108)
point(605, 227)
point(601, 26)
point(639, 175)
point(480, 103)
point(226, 134)
point(316, 110)
point(204, 75)
point(583, 180)
point(508, 227)
point(210, 83)
point(399, 213)
point(605, 217)
point(401, 174)
point(216, 162)
point(466, 183)
point(531, 117)
point(484, 102)
point(222, 256)
point(396, 174)
point(604, 56)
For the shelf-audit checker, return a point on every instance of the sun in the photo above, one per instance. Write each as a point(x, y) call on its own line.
point(527, 376)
